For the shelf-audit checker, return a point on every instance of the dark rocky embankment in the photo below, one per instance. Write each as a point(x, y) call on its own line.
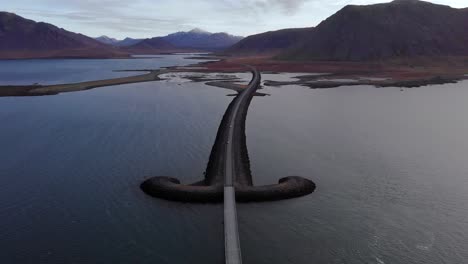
point(210, 190)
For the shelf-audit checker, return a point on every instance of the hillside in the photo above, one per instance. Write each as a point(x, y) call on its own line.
point(402, 28)
point(151, 46)
point(23, 38)
point(127, 42)
point(270, 43)
point(199, 39)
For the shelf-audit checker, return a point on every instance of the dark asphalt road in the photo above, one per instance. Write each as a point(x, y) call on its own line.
point(231, 234)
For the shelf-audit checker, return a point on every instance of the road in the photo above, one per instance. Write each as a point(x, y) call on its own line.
point(231, 234)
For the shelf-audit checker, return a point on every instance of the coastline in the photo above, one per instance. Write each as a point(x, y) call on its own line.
point(315, 75)
point(41, 90)
point(404, 73)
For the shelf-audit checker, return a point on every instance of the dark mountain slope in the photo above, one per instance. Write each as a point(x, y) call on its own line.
point(128, 42)
point(402, 28)
point(23, 38)
point(151, 46)
point(270, 43)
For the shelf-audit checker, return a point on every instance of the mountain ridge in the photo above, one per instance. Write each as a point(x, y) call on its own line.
point(398, 29)
point(25, 38)
point(107, 40)
point(269, 43)
point(195, 39)
point(151, 46)
point(402, 28)
point(201, 39)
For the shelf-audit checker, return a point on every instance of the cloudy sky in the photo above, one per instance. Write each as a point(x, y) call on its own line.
point(149, 18)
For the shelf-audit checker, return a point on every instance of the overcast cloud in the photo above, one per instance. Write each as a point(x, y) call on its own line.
point(149, 18)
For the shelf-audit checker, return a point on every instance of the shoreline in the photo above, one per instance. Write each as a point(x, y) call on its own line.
point(330, 83)
point(403, 72)
point(42, 90)
point(124, 55)
point(334, 74)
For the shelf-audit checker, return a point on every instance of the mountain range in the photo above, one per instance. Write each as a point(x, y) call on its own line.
point(127, 42)
point(402, 28)
point(200, 39)
point(152, 46)
point(399, 29)
point(195, 39)
point(24, 38)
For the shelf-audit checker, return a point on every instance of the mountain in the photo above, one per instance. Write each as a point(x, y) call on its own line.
point(24, 38)
point(194, 40)
point(107, 40)
point(118, 43)
point(127, 42)
point(151, 46)
point(270, 43)
point(402, 28)
point(200, 39)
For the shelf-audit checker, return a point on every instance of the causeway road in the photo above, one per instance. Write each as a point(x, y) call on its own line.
point(232, 247)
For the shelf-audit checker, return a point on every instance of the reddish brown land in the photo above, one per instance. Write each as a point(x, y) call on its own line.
point(395, 73)
point(411, 69)
point(414, 72)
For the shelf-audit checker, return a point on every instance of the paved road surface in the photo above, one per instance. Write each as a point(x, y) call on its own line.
point(232, 245)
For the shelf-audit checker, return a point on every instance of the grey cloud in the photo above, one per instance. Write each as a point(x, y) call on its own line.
point(110, 16)
point(257, 7)
point(286, 6)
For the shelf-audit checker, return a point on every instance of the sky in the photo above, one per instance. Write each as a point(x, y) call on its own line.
point(150, 18)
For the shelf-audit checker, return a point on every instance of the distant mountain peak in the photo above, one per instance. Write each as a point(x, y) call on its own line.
point(107, 40)
point(200, 39)
point(199, 31)
point(105, 37)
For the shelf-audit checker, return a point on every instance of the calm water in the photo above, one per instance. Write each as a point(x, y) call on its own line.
point(390, 167)
point(71, 166)
point(57, 71)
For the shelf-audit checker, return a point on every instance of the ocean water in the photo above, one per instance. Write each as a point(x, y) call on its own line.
point(71, 166)
point(59, 71)
point(390, 168)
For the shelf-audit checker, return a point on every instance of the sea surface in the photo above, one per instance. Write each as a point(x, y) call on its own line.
point(390, 168)
point(59, 71)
